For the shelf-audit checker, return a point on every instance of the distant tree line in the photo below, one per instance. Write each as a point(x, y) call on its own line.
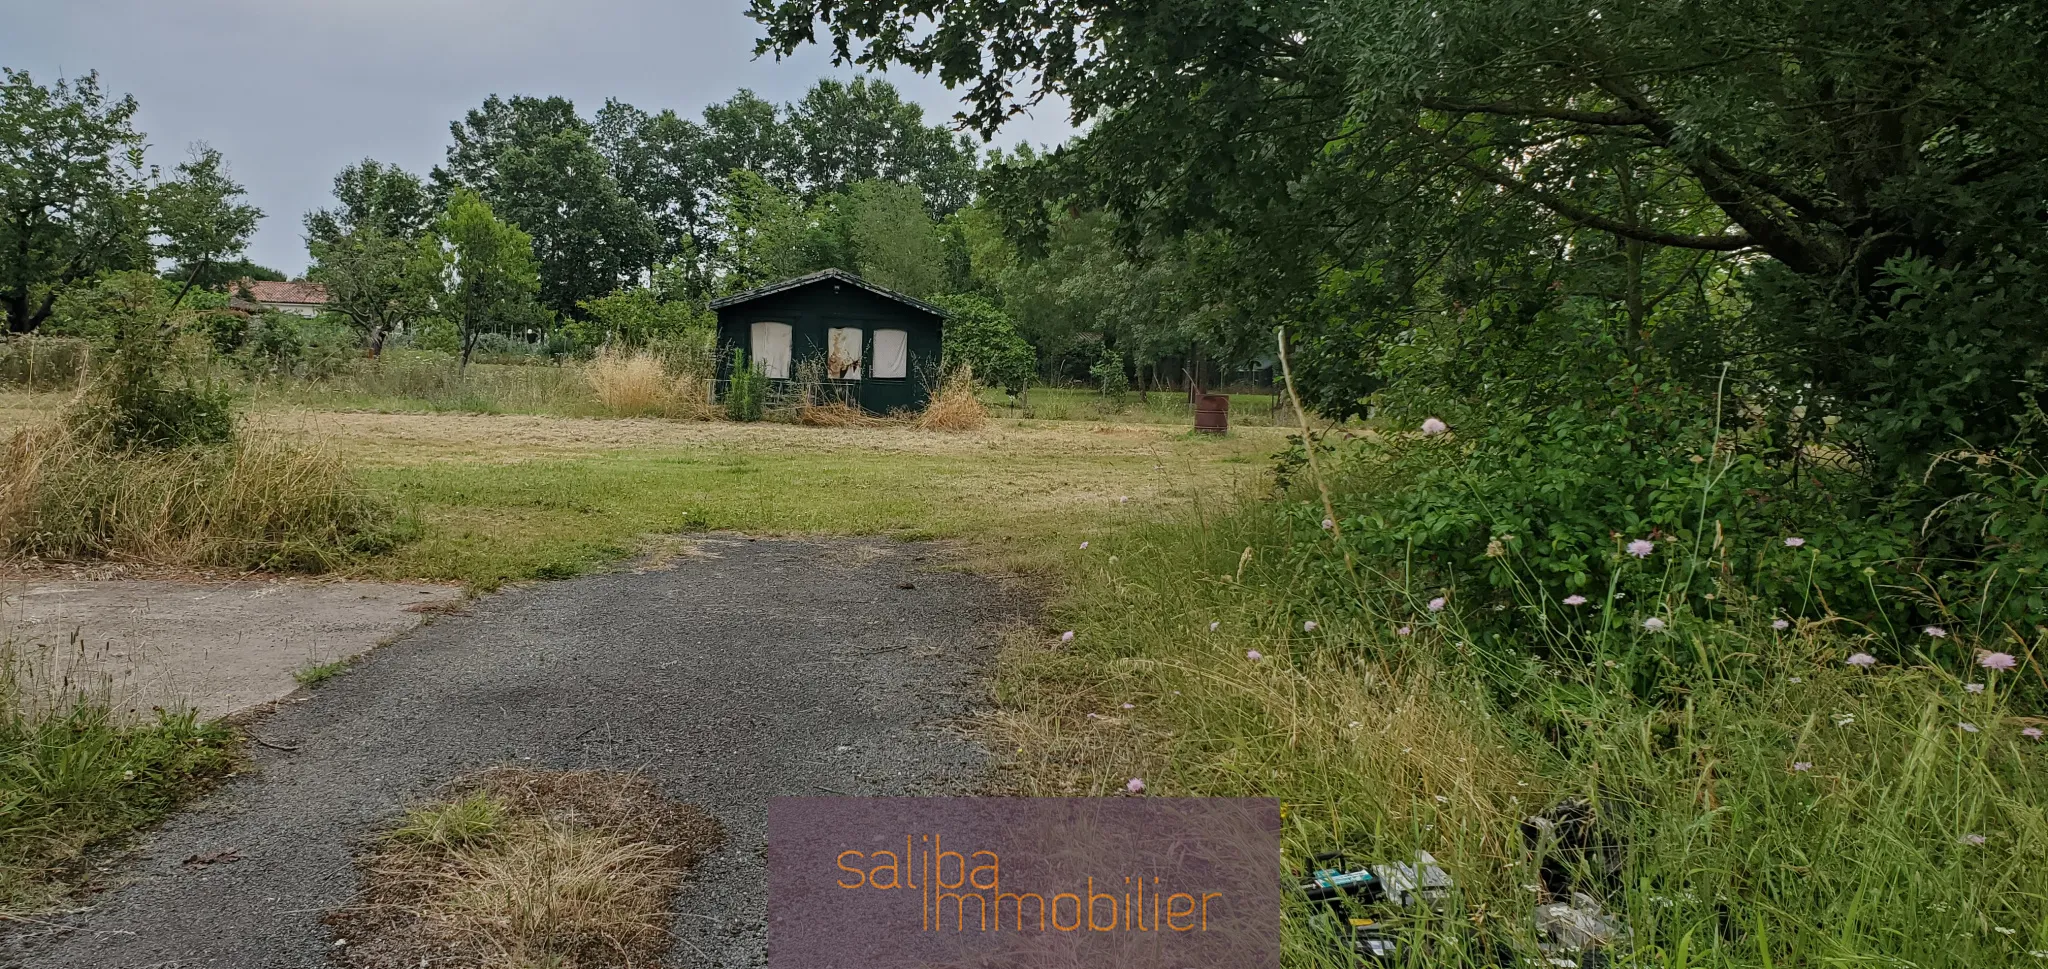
point(635, 219)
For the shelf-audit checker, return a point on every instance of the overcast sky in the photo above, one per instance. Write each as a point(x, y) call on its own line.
point(292, 90)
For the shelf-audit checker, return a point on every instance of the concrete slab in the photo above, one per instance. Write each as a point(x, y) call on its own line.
point(216, 646)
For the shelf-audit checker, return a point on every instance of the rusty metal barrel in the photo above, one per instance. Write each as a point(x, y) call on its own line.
point(1212, 413)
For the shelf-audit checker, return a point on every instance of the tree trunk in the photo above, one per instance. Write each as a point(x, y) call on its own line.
point(17, 313)
point(191, 278)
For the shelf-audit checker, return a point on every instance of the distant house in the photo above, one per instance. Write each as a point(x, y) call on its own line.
point(876, 346)
point(298, 299)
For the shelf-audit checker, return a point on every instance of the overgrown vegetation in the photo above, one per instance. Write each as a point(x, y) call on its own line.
point(1598, 241)
point(74, 776)
point(45, 363)
point(529, 869)
point(259, 502)
point(151, 396)
point(646, 384)
point(1769, 797)
point(147, 465)
point(1683, 346)
point(746, 390)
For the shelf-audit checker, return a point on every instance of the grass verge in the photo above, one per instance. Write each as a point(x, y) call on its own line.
point(526, 868)
point(1786, 809)
point(74, 777)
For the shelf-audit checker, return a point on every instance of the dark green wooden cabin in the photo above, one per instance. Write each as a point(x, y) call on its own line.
point(887, 343)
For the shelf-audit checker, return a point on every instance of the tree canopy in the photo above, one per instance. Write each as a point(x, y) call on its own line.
point(535, 161)
point(373, 196)
point(1854, 186)
point(73, 191)
point(198, 216)
point(478, 272)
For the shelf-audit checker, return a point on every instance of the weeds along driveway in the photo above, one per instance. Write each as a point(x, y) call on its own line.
point(750, 670)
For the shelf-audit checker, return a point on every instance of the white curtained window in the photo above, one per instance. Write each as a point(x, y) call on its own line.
point(892, 354)
point(842, 360)
point(771, 349)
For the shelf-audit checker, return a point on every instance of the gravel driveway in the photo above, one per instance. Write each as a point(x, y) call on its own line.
point(756, 669)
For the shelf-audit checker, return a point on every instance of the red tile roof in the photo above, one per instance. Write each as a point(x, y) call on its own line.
point(269, 292)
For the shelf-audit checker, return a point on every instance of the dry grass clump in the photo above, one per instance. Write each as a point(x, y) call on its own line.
point(259, 501)
point(955, 407)
point(639, 383)
point(628, 384)
point(527, 868)
point(692, 397)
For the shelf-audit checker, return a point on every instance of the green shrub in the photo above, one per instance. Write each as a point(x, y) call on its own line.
point(223, 330)
point(640, 317)
point(98, 311)
point(1110, 376)
point(1544, 477)
point(980, 335)
point(284, 345)
point(746, 390)
point(152, 395)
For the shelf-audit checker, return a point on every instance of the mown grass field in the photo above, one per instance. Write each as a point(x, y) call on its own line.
point(513, 497)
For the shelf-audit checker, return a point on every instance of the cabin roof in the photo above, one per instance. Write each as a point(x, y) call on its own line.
point(822, 276)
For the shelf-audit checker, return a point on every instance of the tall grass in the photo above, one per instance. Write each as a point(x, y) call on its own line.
point(954, 406)
point(43, 363)
point(73, 775)
point(641, 383)
point(1781, 808)
point(260, 501)
point(417, 380)
point(628, 384)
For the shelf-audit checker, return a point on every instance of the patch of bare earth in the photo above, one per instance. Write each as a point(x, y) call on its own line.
point(523, 868)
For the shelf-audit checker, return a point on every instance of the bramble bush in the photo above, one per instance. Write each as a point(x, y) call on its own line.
point(1608, 479)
